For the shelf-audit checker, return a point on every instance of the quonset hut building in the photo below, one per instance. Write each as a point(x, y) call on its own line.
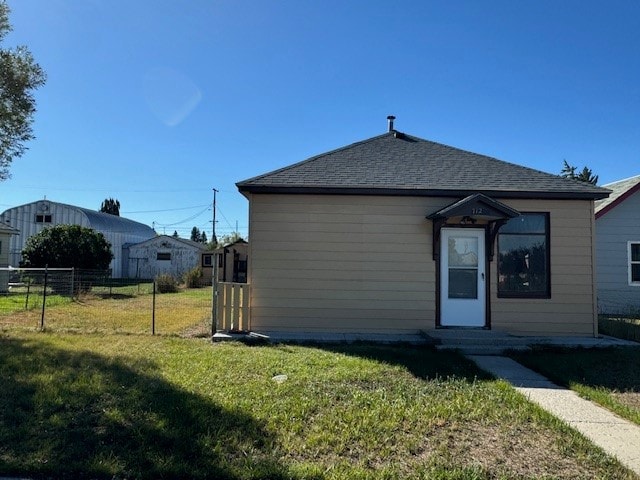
point(32, 218)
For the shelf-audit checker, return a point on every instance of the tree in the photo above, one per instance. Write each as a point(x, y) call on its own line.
point(195, 234)
point(65, 246)
point(19, 76)
point(230, 238)
point(203, 237)
point(110, 206)
point(586, 175)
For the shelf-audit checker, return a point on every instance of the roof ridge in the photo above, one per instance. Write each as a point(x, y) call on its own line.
point(398, 163)
point(314, 158)
point(469, 152)
point(622, 181)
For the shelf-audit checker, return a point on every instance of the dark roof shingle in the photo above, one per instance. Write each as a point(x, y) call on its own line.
point(400, 164)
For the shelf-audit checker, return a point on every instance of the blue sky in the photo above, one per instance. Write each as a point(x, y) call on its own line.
point(157, 102)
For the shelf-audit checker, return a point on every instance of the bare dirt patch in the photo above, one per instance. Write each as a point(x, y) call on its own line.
point(514, 451)
point(630, 399)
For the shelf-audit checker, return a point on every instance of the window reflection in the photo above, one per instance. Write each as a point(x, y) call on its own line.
point(523, 257)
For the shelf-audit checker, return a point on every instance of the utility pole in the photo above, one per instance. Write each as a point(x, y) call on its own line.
point(213, 237)
point(214, 279)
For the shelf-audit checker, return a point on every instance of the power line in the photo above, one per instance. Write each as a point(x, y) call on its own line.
point(183, 221)
point(168, 209)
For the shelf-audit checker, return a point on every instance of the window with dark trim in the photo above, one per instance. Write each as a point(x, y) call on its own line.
point(163, 256)
point(43, 218)
point(523, 257)
point(634, 263)
point(207, 260)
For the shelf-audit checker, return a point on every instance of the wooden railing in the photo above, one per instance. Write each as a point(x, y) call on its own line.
point(232, 307)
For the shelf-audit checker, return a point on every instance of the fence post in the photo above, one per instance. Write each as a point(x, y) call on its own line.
point(153, 310)
point(73, 278)
point(26, 300)
point(214, 297)
point(44, 298)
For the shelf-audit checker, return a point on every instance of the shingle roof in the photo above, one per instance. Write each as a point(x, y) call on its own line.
point(619, 191)
point(400, 164)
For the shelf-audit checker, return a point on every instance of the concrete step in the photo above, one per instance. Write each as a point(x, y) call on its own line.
point(476, 337)
point(470, 349)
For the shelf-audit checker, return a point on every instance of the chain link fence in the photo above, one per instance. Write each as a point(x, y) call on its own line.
point(68, 300)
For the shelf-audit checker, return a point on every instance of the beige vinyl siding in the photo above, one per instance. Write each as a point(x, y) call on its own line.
point(351, 264)
point(570, 310)
point(364, 264)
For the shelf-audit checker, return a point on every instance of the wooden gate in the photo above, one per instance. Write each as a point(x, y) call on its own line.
point(232, 307)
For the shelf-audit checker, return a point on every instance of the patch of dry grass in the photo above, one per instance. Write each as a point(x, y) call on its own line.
point(175, 313)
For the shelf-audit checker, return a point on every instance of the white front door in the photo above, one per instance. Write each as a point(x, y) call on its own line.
point(462, 277)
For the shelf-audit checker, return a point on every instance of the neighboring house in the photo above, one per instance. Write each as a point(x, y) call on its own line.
point(396, 235)
point(231, 259)
point(33, 217)
point(162, 254)
point(618, 248)
point(6, 233)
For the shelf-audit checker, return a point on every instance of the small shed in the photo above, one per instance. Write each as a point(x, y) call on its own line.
point(618, 248)
point(162, 255)
point(232, 261)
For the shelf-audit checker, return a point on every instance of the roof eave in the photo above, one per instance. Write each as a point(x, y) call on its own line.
point(318, 190)
point(617, 201)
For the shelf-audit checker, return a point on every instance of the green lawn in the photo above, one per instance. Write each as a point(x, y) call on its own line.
point(620, 327)
point(610, 377)
point(122, 406)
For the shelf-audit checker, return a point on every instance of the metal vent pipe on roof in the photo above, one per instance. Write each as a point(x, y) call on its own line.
point(390, 119)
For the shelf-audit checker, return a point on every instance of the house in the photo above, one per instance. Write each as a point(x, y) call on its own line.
point(398, 235)
point(33, 217)
point(233, 260)
point(162, 255)
point(618, 248)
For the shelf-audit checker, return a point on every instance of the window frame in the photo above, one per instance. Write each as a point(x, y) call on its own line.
point(209, 257)
point(166, 256)
point(44, 218)
point(546, 294)
point(631, 262)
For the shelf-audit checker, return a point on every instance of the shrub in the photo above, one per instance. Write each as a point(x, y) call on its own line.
point(165, 283)
point(193, 278)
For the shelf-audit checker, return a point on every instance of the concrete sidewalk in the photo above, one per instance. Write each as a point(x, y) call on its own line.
point(618, 437)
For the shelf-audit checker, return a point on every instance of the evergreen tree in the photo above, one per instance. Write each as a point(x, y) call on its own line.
point(110, 206)
point(586, 175)
point(203, 237)
point(195, 234)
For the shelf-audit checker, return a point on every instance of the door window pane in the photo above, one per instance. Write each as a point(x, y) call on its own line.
point(463, 283)
point(463, 251)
